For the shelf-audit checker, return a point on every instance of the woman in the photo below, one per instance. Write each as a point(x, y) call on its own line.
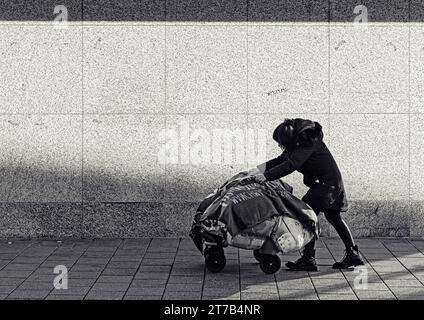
point(304, 151)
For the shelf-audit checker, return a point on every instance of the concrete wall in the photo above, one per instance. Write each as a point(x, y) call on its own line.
point(84, 108)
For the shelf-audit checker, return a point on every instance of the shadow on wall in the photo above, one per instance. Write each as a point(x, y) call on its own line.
point(51, 203)
point(215, 10)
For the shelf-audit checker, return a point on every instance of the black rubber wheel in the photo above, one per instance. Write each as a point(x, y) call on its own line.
point(257, 255)
point(270, 263)
point(215, 259)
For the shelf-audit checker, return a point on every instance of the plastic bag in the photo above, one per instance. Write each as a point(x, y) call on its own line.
point(291, 235)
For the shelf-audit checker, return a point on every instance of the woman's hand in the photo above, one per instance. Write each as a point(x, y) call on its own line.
point(260, 178)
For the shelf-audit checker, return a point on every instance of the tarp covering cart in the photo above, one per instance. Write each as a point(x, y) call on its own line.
point(264, 217)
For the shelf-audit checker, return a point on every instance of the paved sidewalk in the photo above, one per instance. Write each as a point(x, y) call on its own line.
point(164, 268)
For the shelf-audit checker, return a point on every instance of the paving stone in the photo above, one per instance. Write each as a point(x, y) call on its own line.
point(300, 298)
point(146, 291)
point(81, 282)
point(223, 291)
point(102, 259)
point(295, 284)
point(146, 297)
point(259, 296)
point(65, 297)
point(331, 286)
point(34, 285)
point(6, 289)
point(184, 286)
point(110, 286)
point(333, 290)
point(3, 263)
point(411, 262)
point(325, 274)
point(157, 262)
point(173, 295)
point(221, 284)
point(185, 279)
point(337, 297)
point(298, 294)
point(123, 264)
point(8, 255)
point(160, 255)
point(259, 288)
point(137, 283)
point(105, 295)
point(390, 269)
point(83, 275)
point(411, 297)
point(11, 281)
point(398, 275)
point(188, 252)
point(419, 275)
point(15, 274)
point(256, 279)
point(87, 268)
point(370, 273)
point(403, 283)
point(187, 272)
point(154, 268)
point(29, 294)
point(327, 281)
point(371, 286)
point(151, 276)
point(416, 255)
point(137, 252)
point(119, 272)
point(118, 258)
point(70, 291)
point(21, 267)
point(98, 254)
point(402, 293)
point(113, 279)
point(284, 275)
point(235, 296)
point(40, 278)
point(371, 294)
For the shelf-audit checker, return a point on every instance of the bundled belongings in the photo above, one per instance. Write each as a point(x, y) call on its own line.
point(264, 217)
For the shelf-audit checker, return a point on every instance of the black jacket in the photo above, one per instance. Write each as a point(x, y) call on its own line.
point(319, 169)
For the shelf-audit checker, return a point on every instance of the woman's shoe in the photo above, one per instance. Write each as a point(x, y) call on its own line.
point(351, 259)
point(306, 263)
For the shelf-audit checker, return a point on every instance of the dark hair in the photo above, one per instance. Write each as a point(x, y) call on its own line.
point(284, 133)
point(309, 136)
point(297, 132)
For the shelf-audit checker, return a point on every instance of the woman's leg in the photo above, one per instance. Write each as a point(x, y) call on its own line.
point(307, 262)
point(341, 227)
point(309, 249)
point(352, 257)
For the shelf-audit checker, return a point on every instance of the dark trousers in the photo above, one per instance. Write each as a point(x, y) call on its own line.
point(334, 218)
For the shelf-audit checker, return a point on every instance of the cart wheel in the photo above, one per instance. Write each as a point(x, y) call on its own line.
point(215, 259)
point(257, 255)
point(270, 263)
